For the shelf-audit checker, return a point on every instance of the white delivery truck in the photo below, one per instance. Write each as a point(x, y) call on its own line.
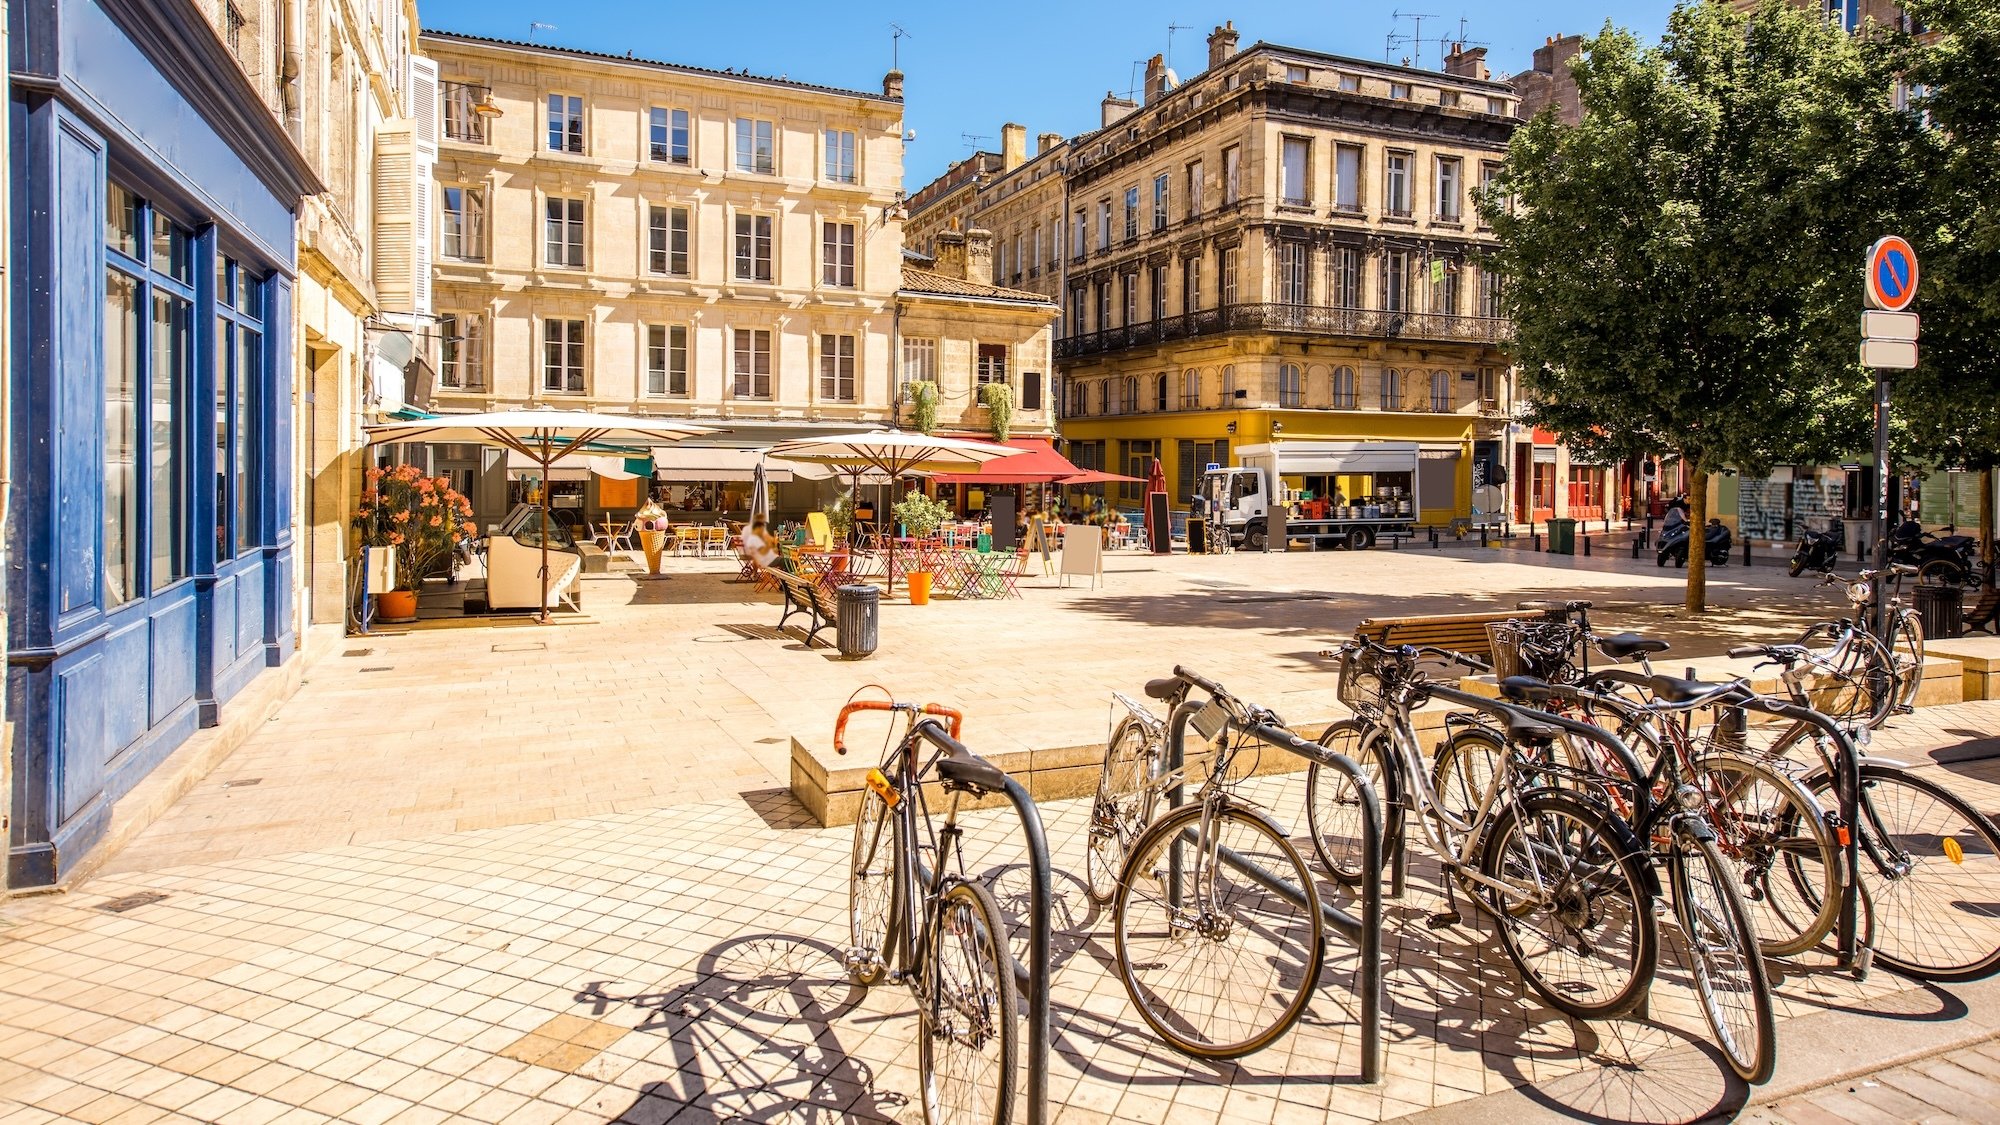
point(1351, 493)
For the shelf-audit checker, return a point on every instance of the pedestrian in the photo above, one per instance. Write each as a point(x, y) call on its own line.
point(760, 547)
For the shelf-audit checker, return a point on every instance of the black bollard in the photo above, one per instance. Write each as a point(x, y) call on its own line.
point(1586, 546)
point(1746, 551)
point(1482, 535)
point(1635, 548)
point(1536, 536)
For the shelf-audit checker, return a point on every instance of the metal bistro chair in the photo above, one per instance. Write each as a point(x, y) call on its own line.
point(687, 538)
point(714, 541)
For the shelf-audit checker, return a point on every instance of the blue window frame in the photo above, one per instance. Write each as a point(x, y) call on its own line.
point(239, 370)
point(148, 367)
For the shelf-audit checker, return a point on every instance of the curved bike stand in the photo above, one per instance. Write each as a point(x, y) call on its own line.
point(1365, 931)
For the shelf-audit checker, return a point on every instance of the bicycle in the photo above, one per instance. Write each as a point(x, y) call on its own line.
point(1216, 920)
point(933, 929)
point(1128, 786)
point(1894, 664)
point(1561, 876)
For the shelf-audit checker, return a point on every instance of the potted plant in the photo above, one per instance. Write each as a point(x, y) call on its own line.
point(840, 519)
point(422, 518)
point(924, 399)
point(920, 516)
point(998, 399)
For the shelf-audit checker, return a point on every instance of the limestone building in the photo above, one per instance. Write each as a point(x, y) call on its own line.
point(961, 333)
point(1280, 248)
point(618, 233)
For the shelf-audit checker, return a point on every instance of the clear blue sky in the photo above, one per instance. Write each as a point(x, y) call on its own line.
point(1043, 63)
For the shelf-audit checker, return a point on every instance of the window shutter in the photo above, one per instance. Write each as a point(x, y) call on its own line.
point(1188, 470)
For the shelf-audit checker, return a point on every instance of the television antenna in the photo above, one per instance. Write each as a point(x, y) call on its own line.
point(973, 139)
point(538, 26)
point(895, 45)
point(1171, 28)
point(1415, 39)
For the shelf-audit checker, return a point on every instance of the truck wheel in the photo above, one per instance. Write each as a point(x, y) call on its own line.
point(1360, 539)
point(1253, 537)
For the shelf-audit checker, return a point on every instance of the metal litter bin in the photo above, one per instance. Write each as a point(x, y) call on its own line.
point(855, 623)
point(1197, 535)
point(1942, 607)
point(1562, 537)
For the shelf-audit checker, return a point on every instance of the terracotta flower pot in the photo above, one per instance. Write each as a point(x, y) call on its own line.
point(396, 605)
point(920, 587)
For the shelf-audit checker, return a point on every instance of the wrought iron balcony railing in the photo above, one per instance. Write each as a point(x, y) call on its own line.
point(1319, 320)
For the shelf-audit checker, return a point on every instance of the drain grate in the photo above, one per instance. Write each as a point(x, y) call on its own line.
point(243, 783)
point(359, 652)
point(131, 902)
point(524, 646)
point(381, 668)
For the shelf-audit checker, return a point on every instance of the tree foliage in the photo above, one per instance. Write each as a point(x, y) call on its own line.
point(1682, 267)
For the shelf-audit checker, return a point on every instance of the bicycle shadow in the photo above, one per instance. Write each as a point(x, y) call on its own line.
point(753, 1037)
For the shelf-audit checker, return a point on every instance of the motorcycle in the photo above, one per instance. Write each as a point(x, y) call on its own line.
point(1819, 551)
point(1947, 559)
point(1716, 542)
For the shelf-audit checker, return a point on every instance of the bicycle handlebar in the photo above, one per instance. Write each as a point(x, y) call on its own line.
point(853, 706)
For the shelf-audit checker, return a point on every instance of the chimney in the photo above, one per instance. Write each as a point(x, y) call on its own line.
point(1156, 78)
point(1047, 141)
point(979, 255)
point(1559, 49)
point(1013, 146)
point(1115, 107)
point(1221, 44)
point(892, 84)
point(1463, 63)
point(950, 259)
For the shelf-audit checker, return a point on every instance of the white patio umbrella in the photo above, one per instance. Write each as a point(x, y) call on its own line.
point(544, 436)
point(893, 453)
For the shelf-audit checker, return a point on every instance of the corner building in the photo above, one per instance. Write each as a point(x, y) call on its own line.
point(1280, 248)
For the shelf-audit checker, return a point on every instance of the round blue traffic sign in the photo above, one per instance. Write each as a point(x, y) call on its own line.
point(1892, 274)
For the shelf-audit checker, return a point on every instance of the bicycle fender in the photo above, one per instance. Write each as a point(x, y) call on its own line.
point(1698, 827)
point(1628, 840)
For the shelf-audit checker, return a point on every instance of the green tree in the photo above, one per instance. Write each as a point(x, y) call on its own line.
point(1682, 267)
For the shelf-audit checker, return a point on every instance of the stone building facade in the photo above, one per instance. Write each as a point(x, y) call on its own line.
point(1549, 84)
point(960, 332)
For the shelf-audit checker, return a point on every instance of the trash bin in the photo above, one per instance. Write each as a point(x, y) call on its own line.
point(1942, 607)
point(1197, 535)
point(855, 625)
point(1562, 537)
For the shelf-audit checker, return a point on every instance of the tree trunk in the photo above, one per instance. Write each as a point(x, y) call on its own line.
point(1697, 569)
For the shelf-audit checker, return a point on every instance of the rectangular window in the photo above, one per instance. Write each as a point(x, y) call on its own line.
point(1844, 14)
point(1194, 189)
point(1298, 74)
point(1079, 235)
point(1190, 285)
point(562, 356)
point(1232, 175)
point(563, 238)
point(920, 361)
point(840, 166)
point(1103, 224)
point(249, 378)
point(992, 364)
point(1496, 106)
point(753, 247)
point(1346, 266)
point(1294, 189)
point(565, 123)
point(751, 363)
point(1291, 389)
point(1128, 289)
point(756, 149)
point(1160, 202)
point(225, 356)
point(173, 356)
point(1444, 286)
point(1139, 457)
point(1031, 390)
point(462, 119)
point(1400, 91)
point(1347, 178)
point(1104, 305)
point(1077, 297)
point(464, 226)
point(1489, 293)
point(1488, 172)
point(836, 254)
point(1228, 273)
point(836, 367)
point(462, 351)
point(1450, 185)
point(1159, 280)
point(668, 136)
point(1350, 83)
point(667, 240)
point(121, 438)
point(1294, 266)
point(1195, 458)
point(667, 360)
point(1131, 213)
point(1396, 184)
point(1396, 281)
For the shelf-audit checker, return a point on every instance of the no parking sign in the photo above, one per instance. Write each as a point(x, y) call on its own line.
point(1891, 281)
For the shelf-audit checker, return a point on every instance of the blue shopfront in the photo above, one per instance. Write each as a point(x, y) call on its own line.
point(153, 209)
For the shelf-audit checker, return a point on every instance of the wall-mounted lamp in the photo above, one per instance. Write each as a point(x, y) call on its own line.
point(1231, 427)
point(1277, 427)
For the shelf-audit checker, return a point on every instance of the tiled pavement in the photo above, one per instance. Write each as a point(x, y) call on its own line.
point(1960, 1085)
point(678, 962)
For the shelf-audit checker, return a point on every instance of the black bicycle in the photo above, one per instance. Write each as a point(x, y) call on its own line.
point(933, 929)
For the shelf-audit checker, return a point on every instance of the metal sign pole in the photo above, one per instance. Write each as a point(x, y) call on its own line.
point(1885, 523)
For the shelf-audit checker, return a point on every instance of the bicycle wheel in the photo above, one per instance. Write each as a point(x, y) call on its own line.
point(1723, 956)
point(871, 889)
point(1857, 683)
point(1942, 572)
point(1333, 803)
point(1775, 837)
point(1217, 963)
point(1124, 805)
point(969, 1036)
point(1931, 866)
point(1580, 927)
point(1906, 646)
point(1464, 769)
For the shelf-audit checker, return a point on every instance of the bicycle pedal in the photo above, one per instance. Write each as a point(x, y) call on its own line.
point(1446, 918)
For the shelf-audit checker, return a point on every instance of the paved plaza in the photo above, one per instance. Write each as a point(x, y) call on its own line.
point(527, 874)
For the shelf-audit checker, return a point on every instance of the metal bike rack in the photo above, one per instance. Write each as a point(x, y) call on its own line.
point(1365, 931)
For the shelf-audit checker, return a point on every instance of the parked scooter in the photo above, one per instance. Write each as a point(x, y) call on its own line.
point(1819, 551)
point(1946, 559)
point(1716, 544)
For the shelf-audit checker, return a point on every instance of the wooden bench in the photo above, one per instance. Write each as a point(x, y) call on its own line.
point(1453, 632)
point(803, 595)
point(1984, 614)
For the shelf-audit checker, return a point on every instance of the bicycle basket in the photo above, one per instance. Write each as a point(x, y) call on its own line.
point(1360, 686)
point(1530, 648)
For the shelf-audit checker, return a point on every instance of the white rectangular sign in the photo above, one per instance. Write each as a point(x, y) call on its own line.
point(1895, 355)
point(1878, 325)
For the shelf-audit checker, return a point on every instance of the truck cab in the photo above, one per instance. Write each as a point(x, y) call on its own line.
point(1239, 497)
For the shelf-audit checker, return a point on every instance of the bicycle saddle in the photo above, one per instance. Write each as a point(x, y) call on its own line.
point(1625, 646)
point(1162, 689)
point(976, 772)
point(1673, 689)
point(1526, 731)
point(1525, 687)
